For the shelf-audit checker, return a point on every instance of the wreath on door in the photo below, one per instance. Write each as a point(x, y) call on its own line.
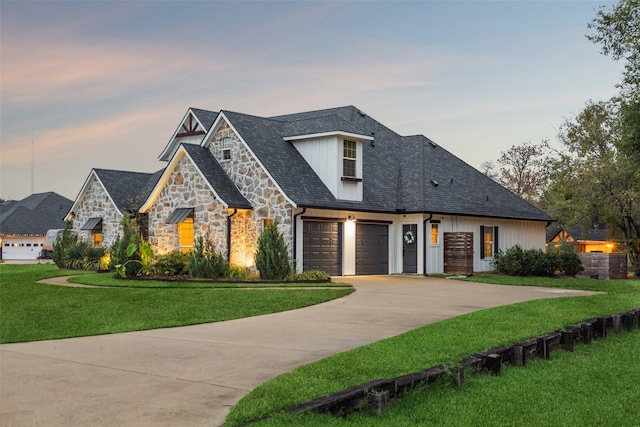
point(410, 237)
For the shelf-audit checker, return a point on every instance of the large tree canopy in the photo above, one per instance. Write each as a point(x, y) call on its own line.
point(594, 183)
point(618, 32)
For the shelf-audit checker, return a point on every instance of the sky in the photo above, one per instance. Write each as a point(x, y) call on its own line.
point(104, 84)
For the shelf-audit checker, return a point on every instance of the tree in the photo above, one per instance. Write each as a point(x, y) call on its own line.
point(272, 257)
point(618, 32)
point(523, 170)
point(488, 168)
point(594, 181)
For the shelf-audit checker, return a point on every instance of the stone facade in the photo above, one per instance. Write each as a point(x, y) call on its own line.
point(186, 188)
point(253, 182)
point(96, 202)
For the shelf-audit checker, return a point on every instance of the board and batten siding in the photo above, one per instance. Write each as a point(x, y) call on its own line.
point(527, 234)
point(324, 155)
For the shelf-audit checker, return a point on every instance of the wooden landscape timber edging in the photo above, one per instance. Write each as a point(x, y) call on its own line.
point(376, 394)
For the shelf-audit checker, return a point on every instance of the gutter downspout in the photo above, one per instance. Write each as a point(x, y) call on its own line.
point(235, 211)
point(295, 237)
point(424, 249)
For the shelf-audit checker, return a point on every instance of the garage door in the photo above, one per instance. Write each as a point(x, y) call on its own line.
point(372, 249)
point(322, 247)
point(21, 247)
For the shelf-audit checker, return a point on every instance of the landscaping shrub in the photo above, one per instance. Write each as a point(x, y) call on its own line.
point(172, 264)
point(272, 257)
point(93, 258)
point(130, 234)
point(62, 243)
point(533, 262)
point(238, 273)
point(205, 262)
point(311, 275)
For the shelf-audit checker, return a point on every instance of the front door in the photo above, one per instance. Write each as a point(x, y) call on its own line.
point(409, 248)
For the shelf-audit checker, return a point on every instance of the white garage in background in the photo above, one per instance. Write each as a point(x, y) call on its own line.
point(24, 223)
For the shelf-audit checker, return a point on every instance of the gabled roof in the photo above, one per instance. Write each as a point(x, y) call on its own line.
point(213, 173)
point(583, 234)
point(34, 214)
point(400, 174)
point(127, 190)
point(195, 122)
point(210, 170)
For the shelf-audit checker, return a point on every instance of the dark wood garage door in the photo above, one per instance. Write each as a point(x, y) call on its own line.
point(322, 247)
point(372, 249)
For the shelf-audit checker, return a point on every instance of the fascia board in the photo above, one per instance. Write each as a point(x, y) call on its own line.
point(221, 116)
point(171, 142)
point(93, 176)
point(213, 190)
point(162, 181)
point(323, 134)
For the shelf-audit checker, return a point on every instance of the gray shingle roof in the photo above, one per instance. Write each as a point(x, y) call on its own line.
point(129, 190)
point(205, 117)
point(34, 214)
point(399, 173)
point(216, 176)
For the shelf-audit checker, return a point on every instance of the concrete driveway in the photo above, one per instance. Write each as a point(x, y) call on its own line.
point(193, 375)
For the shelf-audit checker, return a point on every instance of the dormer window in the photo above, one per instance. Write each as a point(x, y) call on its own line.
point(226, 148)
point(349, 159)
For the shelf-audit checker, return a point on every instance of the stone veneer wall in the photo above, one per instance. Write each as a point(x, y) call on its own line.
point(257, 187)
point(186, 188)
point(96, 203)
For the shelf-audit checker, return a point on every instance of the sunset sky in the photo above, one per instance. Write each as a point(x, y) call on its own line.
point(105, 84)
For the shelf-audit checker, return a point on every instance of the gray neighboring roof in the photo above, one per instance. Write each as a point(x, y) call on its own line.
point(205, 117)
point(34, 214)
point(213, 172)
point(397, 171)
point(129, 190)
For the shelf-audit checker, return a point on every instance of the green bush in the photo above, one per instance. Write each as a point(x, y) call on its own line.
point(272, 257)
point(311, 275)
point(172, 264)
point(533, 262)
point(62, 243)
point(238, 273)
point(119, 256)
point(93, 258)
point(205, 262)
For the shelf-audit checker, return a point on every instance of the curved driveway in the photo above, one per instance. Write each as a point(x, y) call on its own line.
point(193, 375)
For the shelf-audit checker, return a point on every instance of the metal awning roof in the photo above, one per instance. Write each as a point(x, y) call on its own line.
point(179, 215)
point(91, 223)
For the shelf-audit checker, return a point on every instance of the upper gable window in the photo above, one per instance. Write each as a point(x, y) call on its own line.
point(226, 148)
point(349, 159)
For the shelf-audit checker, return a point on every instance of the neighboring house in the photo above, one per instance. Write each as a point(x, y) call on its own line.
point(24, 223)
point(350, 195)
point(583, 240)
point(103, 200)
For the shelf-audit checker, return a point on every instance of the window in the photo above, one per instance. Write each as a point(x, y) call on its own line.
point(489, 241)
point(349, 159)
point(435, 235)
point(185, 234)
point(96, 236)
point(226, 148)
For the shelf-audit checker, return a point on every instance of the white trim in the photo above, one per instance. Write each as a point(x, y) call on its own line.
point(83, 192)
point(153, 196)
point(332, 133)
point(212, 132)
point(171, 145)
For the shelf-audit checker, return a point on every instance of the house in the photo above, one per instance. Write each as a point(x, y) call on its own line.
point(583, 240)
point(24, 223)
point(104, 198)
point(349, 195)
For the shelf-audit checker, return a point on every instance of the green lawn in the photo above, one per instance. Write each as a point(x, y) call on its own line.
point(448, 341)
point(31, 311)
